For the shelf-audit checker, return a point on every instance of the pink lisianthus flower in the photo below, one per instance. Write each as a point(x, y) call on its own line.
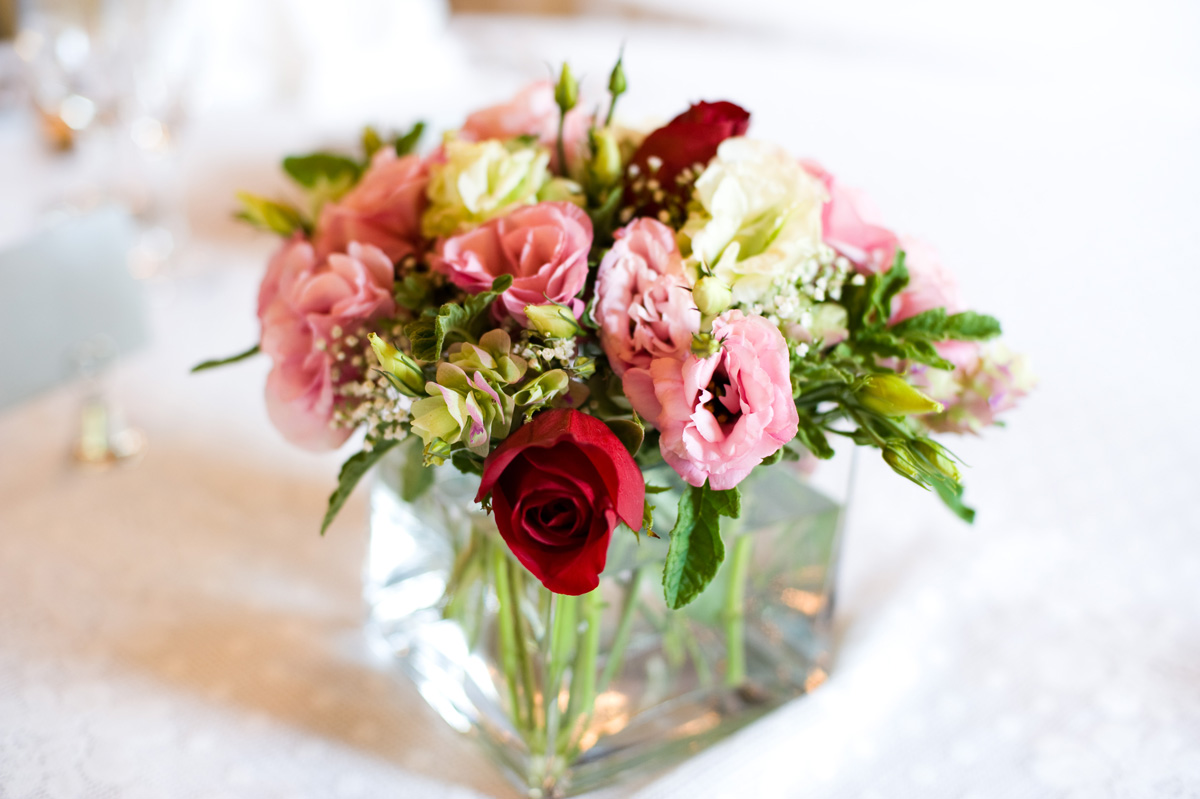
point(718, 417)
point(644, 307)
point(383, 210)
point(532, 112)
point(544, 247)
point(930, 285)
point(306, 307)
point(987, 380)
point(849, 224)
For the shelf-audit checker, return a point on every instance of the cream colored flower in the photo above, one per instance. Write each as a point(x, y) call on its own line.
point(479, 181)
point(755, 219)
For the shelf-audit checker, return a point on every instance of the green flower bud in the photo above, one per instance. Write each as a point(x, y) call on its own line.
point(616, 80)
point(562, 190)
point(566, 93)
point(408, 377)
point(553, 321)
point(891, 395)
point(712, 296)
point(436, 452)
point(901, 462)
point(606, 168)
point(938, 458)
point(543, 389)
point(704, 345)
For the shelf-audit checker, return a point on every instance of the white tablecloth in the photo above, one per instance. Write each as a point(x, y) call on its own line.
point(179, 629)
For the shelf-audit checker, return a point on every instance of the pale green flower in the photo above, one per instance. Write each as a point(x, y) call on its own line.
point(755, 219)
point(479, 181)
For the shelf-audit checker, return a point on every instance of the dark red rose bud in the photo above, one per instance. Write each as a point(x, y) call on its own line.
point(667, 159)
point(559, 486)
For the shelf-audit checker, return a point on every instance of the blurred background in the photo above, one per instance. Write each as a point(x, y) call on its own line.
point(176, 627)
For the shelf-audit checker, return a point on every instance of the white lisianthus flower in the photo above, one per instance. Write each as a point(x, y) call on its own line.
point(755, 220)
point(479, 181)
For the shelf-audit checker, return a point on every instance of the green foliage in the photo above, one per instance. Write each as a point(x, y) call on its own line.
point(936, 325)
point(465, 322)
point(352, 471)
point(274, 217)
point(371, 142)
point(327, 172)
point(696, 549)
point(629, 431)
point(407, 143)
point(467, 462)
point(241, 356)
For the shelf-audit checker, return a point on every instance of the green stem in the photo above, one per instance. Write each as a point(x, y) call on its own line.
point(735, 613)
point(616, 654)
point(516, 574)
point(583, 680)
point(508, 642)
point(562, 149)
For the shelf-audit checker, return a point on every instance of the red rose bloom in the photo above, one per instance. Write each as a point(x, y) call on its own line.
point(559, 485)
point(689, 139)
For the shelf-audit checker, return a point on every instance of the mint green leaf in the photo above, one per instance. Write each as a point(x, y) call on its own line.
point(241, 356)
point(352, 471)
point(971, 326)
point(408, 142)
point(951, 494)
point(696, 549)
point(269, 215)
point(327, 169)
point(429, 333)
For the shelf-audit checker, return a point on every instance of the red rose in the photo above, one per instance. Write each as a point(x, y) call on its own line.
point(689, 139)
point(559, 485)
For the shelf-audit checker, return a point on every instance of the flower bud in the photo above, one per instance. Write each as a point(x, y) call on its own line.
point(616, 80)
point(901, 463)
point(436, 452)
point(938, 459)
point(566, 93)
point(704, 345)
point(606, 163)
point(712, 296)
point(553, 321)
point(543, 389)
point(891, 395)
point(409, 379)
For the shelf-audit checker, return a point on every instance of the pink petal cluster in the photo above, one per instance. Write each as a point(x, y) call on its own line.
point(544, 247)
point(849, 224)
point(644, 307)
point(305, 305)
point(930, 285)
point(384, 209)
point(987, 380)
point(532, 112)
point(718, 417)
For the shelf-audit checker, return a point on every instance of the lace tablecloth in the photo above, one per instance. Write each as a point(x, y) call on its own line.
point(178, 628)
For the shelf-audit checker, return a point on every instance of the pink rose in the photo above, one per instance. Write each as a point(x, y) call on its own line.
point(930, 285)
point(544, 247)
point(383, 210)
point(849, 224)
point(307, 307)
point(718, 417)
point(644, 307)
point(532, 112)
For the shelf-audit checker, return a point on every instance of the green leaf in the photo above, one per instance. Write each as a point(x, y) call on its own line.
point(467, 462)
point(429, 333)
point(241, 356)
point(696, 549)
point(653, 489)
point(269, 215)
point(408, 142)
point(630, 432)
point(971, 326)
point(951, 493)
point(352, 471)
point(812, 436)
point(415, 476)
point(322, 169)
point(371, 142)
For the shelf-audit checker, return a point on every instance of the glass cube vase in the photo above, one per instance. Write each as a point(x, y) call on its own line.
point(569, 693)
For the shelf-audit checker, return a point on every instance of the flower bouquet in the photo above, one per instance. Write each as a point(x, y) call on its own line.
point(595, 365)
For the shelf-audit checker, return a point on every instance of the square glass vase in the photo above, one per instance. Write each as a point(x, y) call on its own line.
point(567, 694)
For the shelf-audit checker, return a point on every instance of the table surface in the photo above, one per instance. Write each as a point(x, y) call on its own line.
point(178, 628)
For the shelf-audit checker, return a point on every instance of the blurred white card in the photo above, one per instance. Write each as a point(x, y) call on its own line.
point(65, 289)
